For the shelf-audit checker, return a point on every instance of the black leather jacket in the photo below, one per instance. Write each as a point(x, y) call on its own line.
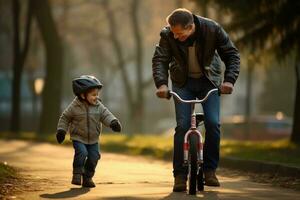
point(211, 41)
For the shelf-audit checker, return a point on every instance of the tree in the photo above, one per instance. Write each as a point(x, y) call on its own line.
point(54, 66)
point(279, 79)
point(203, 4)
point(139, 107)
point(19, 57)
point(134, 93)
point(269, 27)
point(179, 3)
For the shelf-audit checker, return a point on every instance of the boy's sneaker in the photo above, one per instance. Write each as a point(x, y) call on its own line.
point(88, 182)
point(76, 179)
point(211, 178)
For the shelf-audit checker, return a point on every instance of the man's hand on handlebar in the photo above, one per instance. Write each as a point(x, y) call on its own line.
point(226, 88)
point(163, 92)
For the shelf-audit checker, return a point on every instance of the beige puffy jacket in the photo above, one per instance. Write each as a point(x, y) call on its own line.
point(84, 122)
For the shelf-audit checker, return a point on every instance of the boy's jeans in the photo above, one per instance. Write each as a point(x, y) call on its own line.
point(85, 158)
point(211, 108)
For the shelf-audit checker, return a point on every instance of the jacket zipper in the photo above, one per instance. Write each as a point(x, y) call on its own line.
point(211, 80)
point(88, 123)
point(203, 67)
point(205, 71)
point(202, 64)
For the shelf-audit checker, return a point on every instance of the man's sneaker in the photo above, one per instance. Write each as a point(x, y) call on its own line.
point(211, 179)
point(76, 179)
point(179, 183)
point(88, 182)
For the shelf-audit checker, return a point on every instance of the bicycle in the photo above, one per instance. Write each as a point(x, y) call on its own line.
point(193, 145)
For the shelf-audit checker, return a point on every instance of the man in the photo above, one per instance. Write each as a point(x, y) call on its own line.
point(189, 48)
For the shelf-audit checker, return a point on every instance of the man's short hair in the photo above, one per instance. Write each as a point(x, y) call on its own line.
point(180, 16)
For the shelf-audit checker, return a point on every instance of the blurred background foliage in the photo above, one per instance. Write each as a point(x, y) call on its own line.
point(44, 44)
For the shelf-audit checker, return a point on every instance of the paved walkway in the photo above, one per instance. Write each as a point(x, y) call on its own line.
point(48, 171)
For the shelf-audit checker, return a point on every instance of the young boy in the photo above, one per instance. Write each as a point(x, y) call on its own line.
point(83, 118)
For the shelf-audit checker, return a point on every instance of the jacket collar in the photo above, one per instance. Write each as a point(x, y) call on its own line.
point(82, 102)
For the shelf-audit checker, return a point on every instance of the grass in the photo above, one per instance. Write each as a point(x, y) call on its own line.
point(279, 151)
point(6, 172)
point(148, 145)
point(29, 136)
point(160, 147)
point(10, 180)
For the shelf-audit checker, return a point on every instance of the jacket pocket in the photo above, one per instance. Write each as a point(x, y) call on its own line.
point(214, 71)
point(76, 131)
point(177, 74)
point(73, 130)
point(98, 129)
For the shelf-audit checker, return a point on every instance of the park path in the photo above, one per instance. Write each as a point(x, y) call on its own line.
point(47, 171)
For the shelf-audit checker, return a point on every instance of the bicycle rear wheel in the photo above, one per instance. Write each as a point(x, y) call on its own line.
point(193, 166)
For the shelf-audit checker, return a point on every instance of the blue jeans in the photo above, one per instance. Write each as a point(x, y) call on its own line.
point(85, 158)
point(211, 108)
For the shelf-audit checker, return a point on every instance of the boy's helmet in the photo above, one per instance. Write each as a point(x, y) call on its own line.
point(84, 83)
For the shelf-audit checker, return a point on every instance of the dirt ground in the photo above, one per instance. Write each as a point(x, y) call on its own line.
point(46, 172)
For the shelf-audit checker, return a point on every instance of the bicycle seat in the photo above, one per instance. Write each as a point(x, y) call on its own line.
point(199, 118)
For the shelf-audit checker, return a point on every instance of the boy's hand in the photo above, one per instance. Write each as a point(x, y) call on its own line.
point(115, 125)
point(60, 136)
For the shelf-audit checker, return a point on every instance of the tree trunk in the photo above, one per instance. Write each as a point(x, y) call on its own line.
point(248, 102)
point(51, 96)
point(16, 84)
point(295, 137)
point(204, 4)
point(19, 57)
point(179, 3)
point(139, 110)
point(120, 62)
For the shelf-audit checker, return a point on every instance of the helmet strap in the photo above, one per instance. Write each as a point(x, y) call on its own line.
point(82, 96)
point(85, 97)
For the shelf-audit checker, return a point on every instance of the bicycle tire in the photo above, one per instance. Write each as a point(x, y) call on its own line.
point(193, 168)
point(200, 180)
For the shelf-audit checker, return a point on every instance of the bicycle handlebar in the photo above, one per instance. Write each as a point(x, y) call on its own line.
point(171, 93)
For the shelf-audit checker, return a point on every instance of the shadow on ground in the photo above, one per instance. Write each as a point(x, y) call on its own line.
point(72, 192)
point(209, 195)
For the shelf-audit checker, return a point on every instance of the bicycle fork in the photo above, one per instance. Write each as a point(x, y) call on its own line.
point(186, 146)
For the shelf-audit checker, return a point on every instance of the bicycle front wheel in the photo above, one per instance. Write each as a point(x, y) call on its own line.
point(200, 181)
point(193, 165)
